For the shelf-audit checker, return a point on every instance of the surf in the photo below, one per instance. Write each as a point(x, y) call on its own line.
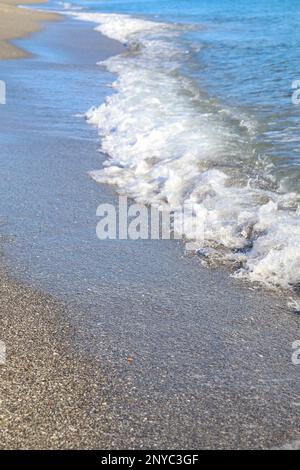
point(169, 144)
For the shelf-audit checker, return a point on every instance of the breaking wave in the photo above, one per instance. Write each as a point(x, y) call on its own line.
point(168, 143)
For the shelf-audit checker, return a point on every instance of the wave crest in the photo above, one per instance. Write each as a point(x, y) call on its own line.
point(168, 144)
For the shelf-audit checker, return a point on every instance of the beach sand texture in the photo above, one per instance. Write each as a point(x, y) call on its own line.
point(117, 345)
point(17, 23)
point(47, 389)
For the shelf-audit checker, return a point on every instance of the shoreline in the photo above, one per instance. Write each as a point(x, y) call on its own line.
point(208, 368)
point(17, 23)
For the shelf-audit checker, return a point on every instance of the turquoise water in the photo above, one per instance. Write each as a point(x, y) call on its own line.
point(203, 113)
point(249, 57)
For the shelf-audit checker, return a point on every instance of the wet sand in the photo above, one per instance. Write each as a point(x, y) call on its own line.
point(18, 22)
point(49, 393)
point(210, 357)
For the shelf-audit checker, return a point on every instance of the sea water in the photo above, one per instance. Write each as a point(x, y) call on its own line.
point(206, 111)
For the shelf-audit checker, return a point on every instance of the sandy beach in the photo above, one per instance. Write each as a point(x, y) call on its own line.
point(49, 393)
point(42, 386)
point(117, 344)
point(18, 22)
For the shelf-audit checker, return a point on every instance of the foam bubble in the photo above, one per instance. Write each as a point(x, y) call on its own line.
point(121, 27)
point(67, 6)
point(168, 144)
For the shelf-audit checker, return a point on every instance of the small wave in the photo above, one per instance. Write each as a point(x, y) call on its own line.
point(121, 27)
point(67, 6)
point(169, 144)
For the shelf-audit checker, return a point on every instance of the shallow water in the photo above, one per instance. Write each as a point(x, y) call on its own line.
point(210, 356)
point(203, 113)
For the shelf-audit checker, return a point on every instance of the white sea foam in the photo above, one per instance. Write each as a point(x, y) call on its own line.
point(167, 143)
point(121, 27)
